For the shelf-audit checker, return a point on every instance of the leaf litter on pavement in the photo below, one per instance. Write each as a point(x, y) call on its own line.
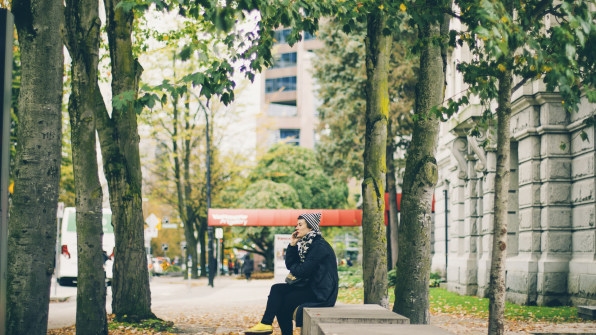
point(234, 320)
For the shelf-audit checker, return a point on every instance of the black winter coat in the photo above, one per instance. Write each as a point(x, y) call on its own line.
point(320, 266)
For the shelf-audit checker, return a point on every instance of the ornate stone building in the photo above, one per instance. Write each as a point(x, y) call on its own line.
point(551, 250)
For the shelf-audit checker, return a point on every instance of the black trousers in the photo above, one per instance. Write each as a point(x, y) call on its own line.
point(281, 303)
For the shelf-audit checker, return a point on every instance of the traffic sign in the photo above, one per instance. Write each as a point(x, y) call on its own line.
point(151, 232)
point(60, 212)
point(152, 220)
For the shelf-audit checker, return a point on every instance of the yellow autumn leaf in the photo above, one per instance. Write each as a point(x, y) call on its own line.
point(501, 67)
point(504, 19)
point(546, 68)
point(402, 7)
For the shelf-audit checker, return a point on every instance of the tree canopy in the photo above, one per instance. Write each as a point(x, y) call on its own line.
point(341, 75)
point(287, 176)
point(298, 168)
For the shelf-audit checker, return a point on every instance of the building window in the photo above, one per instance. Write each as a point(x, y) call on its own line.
point(281, 36)
point(280, 84)
point(279, 110)
point(290, 136)
point(309, 36)
point(285, 60)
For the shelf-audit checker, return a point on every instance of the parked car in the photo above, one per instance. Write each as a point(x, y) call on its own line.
point(160, 265)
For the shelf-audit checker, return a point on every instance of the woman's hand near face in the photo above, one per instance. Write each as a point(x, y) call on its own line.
point(294, 239)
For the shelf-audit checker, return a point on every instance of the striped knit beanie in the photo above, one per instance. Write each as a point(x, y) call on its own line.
point(313, 220)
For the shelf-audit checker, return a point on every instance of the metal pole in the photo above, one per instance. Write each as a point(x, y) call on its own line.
point(446, 195)
point(210, 233)
point(6, 31)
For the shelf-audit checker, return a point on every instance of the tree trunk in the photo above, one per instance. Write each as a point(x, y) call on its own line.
point(420, 178)
point(131, 296)
point(373, 189)
point(176, 153)
point(191, 249)
point(82, 40)
point(32, 223)
point(191, 216)
point(393, 222)
point(496, 288)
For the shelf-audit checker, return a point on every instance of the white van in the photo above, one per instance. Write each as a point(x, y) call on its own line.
point(66, 267)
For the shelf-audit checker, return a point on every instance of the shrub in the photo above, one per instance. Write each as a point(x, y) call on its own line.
point(173, 268)
point(391, 278)
point(435, 278)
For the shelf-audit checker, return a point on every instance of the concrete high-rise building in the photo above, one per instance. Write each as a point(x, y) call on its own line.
point(288, 102)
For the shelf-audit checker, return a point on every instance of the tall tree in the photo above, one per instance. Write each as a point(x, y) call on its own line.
point(82, 41)
point(374, 261)
point(32, 225)
point(119, 138)
point(208, 73)
point(341, 75)
point(178, 174)
point(421, 174)
point(520, 40)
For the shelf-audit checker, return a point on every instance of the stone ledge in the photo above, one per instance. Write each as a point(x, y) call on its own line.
point(380, 329)
point(348, 314)
point(586, 312)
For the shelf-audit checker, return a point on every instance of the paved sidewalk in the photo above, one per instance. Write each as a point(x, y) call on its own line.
point(191, 303)
point(229, 307)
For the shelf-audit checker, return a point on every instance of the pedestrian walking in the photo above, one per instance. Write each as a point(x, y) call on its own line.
point(248, 266)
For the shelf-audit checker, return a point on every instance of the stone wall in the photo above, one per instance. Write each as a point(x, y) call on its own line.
point(552, 199)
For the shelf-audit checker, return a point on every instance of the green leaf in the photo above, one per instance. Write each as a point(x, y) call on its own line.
point(123, 99)
point(127, 5)
point(196, 79)
point(591, 95)
point(570, 51)
point(186, 53)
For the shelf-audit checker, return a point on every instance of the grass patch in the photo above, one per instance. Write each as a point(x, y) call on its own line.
point(444, 302)
point(351, 289)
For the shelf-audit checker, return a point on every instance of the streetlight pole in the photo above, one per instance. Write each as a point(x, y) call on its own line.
point(210, 233)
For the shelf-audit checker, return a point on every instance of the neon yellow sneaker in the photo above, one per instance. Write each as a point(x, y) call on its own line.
point(259, 329)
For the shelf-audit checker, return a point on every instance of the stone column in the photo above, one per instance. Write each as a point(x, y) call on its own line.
point(522, 267)
point(582, 267)
point(485, 227)
point(555, 198)
point(463, 270)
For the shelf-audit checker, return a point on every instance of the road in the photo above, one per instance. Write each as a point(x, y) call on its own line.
point(173, 297)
